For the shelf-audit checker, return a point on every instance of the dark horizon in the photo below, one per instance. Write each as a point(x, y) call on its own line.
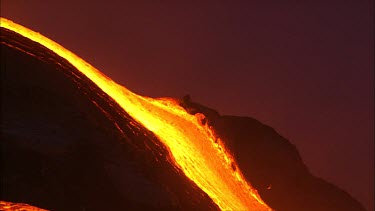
point(304, 69)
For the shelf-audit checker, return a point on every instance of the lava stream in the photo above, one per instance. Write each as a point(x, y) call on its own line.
point(10, 206)
point(194, 148)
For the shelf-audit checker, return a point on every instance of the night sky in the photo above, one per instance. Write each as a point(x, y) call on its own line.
point(305, 69)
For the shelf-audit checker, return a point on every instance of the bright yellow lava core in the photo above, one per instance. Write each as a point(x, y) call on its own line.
point(192, 145)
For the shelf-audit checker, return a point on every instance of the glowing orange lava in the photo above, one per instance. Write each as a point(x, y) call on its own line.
point(191, 144)
point(10, 206)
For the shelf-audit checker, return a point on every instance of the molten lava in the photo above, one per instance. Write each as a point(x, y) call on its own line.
point(10, 206)
point(195, 150)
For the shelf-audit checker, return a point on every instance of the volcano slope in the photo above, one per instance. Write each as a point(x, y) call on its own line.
point(65, 145)
point(273, 165)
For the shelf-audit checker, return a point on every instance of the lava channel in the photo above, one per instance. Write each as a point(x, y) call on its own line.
point(201, 156)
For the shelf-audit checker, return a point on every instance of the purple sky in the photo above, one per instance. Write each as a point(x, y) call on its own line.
point(305, 69)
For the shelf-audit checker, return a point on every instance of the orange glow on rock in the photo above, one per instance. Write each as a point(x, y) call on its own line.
point(195, 150)
point(10, 206)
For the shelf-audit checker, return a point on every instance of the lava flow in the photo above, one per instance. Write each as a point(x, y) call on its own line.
point(9, 206)
point(195, 150)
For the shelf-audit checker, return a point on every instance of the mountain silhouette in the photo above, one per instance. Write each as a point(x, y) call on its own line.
point(273, 165)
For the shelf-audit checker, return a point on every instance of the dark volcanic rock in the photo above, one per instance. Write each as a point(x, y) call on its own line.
point(65, 145)
point(273, 165)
